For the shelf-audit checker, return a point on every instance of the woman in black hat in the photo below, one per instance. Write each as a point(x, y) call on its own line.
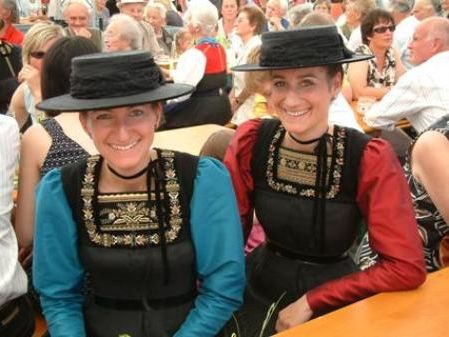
point(311, 184)
point(134, 242)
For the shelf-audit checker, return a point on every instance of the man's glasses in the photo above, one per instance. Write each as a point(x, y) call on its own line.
point(383, 29)
point(37, 54)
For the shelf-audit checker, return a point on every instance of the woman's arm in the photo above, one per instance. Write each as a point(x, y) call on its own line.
point(384, 200)
point(217, 237)
point(238, 162)
point(430, 160)
point(34, 147)
point(400, 68)
point(357, 76)
point(57, 271)
point(17, 106)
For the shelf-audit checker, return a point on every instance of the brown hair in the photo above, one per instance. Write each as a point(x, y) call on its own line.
point(255, 17)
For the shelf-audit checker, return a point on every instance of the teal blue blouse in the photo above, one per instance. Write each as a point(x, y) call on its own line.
point(216, 235)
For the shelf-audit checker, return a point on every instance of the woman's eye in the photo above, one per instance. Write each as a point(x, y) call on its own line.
point(136, 113)
point(104, 116)
point(305, 84)
point(279, 84)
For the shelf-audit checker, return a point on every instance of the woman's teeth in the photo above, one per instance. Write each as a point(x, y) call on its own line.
point(296, 113)
point(123, 147)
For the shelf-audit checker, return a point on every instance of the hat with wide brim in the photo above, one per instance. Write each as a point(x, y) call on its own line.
point(108, 80)
point(302, 48)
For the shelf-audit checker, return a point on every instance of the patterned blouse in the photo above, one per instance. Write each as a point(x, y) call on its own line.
point(377, 78)
point(431, 224)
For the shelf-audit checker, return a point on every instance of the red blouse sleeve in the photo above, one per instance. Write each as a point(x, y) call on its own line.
point(238, 161)
point(384, 200)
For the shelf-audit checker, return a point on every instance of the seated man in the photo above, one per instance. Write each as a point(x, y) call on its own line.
point(204, 67)
point(77, 15)
point(421, 94)
point(275, 12)
point(155, 15)
point(16, 317)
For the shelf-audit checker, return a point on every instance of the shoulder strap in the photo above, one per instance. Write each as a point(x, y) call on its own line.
point(260, 150)
point(355, 145)
point(72, 176)
point(186, 165)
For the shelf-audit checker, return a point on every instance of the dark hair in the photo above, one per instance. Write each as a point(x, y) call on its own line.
point(255, 17)
point(56, 68)
point(371, 19)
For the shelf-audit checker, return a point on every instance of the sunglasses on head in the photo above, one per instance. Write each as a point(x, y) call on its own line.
point(38, 54)
point(383, 29)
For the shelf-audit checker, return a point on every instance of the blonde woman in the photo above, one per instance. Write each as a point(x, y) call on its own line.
point(37, 42)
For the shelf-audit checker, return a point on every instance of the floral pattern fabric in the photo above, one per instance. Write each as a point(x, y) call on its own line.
point(376, 77)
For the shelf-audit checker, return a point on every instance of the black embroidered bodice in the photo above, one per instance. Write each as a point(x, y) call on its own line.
point(284, 194)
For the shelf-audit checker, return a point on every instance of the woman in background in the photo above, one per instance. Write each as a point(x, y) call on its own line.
point(38, 40)
point(376, 76)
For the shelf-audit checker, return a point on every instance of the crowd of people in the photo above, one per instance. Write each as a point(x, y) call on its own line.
point(299, 213)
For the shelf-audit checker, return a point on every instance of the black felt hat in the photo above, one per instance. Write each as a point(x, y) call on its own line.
point(108, 80)
point(302, 48)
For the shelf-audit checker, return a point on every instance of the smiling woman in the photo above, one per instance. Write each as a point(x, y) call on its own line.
point(311, 183)
point(142, 225)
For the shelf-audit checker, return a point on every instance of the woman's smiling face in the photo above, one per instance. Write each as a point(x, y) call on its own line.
point(123, 136)
point(301, 98)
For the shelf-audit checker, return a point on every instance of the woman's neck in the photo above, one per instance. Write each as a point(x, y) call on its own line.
point(111, 182)
point(305, 142)
point(378, 51)
point(245, 39)
point(379, 54)
point(228, 26)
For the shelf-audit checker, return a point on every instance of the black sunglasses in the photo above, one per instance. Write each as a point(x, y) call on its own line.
point(383, 29)
point(37, 54)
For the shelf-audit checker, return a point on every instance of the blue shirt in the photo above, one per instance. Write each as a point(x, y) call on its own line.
point(216, 235)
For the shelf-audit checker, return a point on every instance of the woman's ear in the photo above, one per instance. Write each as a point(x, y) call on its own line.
point(158, 110)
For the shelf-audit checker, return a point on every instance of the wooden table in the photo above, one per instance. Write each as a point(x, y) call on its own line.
point(190, 139)
point(418, 313)
point(401, 124)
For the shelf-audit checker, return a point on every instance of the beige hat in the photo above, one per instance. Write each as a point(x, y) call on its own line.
point(122, 2)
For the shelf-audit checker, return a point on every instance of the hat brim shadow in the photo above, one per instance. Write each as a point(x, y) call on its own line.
point(67, 103)
point(316, 63)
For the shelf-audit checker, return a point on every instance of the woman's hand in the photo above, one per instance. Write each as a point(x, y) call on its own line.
point(31, 76)
point(296, 313)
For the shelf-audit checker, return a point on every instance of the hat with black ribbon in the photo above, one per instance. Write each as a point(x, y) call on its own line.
point(108, 80)
point(302, 48)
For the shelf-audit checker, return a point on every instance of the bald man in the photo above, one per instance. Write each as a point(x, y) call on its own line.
point(421, 94)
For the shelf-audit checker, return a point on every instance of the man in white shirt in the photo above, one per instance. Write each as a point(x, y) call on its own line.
point(421, 94)
point(16, 317)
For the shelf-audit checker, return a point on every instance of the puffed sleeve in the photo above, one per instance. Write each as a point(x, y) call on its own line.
point(57, 270)
point(384, 200)
point(238, 161)
point(218, 241)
